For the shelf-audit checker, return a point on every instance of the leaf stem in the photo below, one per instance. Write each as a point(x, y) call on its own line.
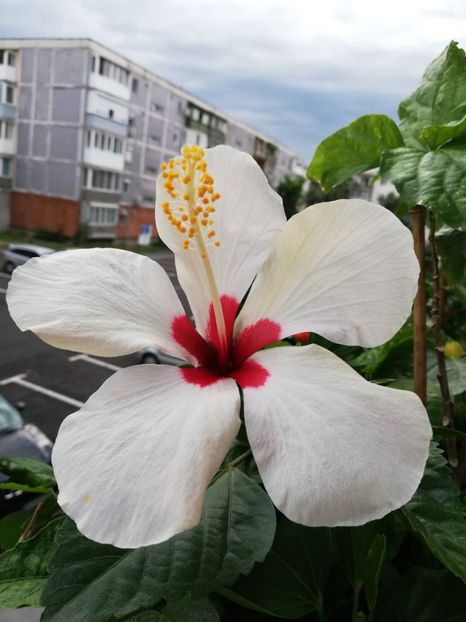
point(448, 420)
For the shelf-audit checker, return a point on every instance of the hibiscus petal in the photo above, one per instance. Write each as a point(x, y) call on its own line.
point(134, 463)
point(101, 301)
point(345, 270)
point(248, 219)
point(333, 449)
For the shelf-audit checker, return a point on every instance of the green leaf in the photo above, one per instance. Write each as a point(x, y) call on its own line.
point(351, 547)
point(353, 149)
point(436, 179)
point(456, 373)
point(436, 111)
point(436, 516)
point(185, 610)
point(374, 563)
point(95, 581)
point(27, 474)
point(289, 583)
point(24, 569)
point(426, 595)
point(452, 248)
point(12, 526)
point(372, 359)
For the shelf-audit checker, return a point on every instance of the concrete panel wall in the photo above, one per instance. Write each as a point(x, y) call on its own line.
point(66, 105)
point(22, 133)
point(64, 142)
point(40, 141)
point(62, 179)
point(68, 66)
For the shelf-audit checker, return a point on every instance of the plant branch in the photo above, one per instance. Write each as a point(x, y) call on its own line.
point(418, 218)
point(239, 459)
point(448, 407)
point(30, 526)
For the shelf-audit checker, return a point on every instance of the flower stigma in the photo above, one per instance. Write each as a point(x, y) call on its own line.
point(191, 211)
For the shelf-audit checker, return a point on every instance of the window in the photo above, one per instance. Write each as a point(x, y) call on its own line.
point(89, 137)
point(152, 170)
point(134, 86)
point(148, 199)
point(6, 129)
point(9, 94)
point(118, 146)
point(105, 180)
point(180, 109)
point(112, 71)
point(93, 64)
point(195, 114)
point(205, 118)
point(7, 58)
point(154, 138)
point(111, 113)
point(102, 215)
point(157, 108)
point(6, 167)
point(175, 137)
point(126, 184)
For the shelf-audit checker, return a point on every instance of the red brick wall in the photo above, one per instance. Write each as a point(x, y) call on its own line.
point(41, 213)
point(129, 226)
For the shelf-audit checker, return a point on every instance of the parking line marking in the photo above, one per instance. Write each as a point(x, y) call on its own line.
point(5, 275)
point(2, 291)
point(91, 359)
point(20, 379)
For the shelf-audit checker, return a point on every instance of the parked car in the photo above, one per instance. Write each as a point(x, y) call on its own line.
point(19, 440)
point(152, 354)
point(16, 254)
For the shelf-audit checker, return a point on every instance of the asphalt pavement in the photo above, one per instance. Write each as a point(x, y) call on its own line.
point(53, 383)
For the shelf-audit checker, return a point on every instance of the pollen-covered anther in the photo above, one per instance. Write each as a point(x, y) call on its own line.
point(217, 243)
point(211, 234)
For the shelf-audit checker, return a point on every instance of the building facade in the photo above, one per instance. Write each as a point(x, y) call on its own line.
point(84, 131)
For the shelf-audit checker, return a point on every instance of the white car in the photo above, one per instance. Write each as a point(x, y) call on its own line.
point(16, 254)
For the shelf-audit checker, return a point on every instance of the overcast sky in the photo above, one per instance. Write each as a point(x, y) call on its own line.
point(296, 70)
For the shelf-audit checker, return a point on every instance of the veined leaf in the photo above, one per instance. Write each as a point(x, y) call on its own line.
point(97, 582)
point(185, 610)
point(24, 569)
point(436, 112)
point(436, 179)
point(290, 582)
point(353, 149)
point(436, 516)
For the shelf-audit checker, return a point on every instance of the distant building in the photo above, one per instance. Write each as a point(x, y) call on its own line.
point(83, 132)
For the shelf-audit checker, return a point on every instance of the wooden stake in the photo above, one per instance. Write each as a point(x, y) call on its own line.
point(418, 221)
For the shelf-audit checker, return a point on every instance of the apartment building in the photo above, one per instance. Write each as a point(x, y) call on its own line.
point(84, 131)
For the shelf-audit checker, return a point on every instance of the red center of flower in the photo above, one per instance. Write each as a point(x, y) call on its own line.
point(231, 360)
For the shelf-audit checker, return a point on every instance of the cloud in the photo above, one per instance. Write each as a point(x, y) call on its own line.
point(295, 67)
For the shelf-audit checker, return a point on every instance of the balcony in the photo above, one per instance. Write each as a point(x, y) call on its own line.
point(109, 85)
point(8, 73)
point(104, 159)
point(7, 146)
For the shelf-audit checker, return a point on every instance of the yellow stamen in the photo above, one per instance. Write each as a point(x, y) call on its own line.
point(187, 177)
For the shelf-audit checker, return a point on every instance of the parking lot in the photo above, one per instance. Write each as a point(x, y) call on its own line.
point(53, 383)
